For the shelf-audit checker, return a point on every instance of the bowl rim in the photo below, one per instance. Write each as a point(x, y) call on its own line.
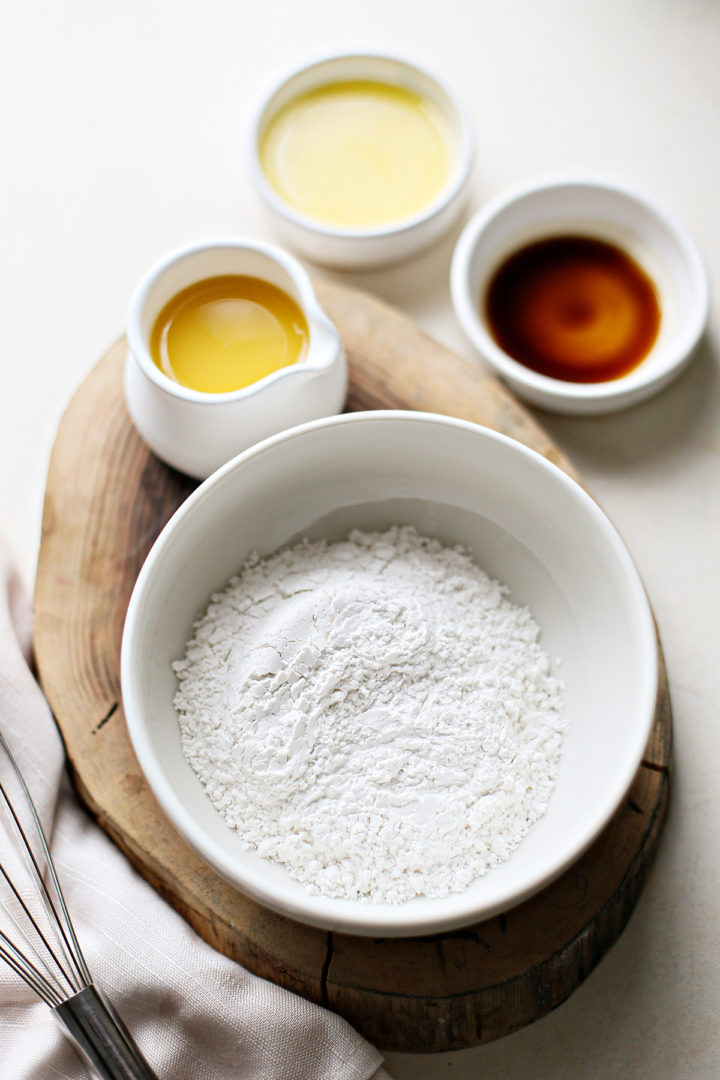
point(309, 305)
point(383, 919)
point(452, 189)
point(545, 386)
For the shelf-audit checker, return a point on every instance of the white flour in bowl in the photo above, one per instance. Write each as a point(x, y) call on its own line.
point(375, 714)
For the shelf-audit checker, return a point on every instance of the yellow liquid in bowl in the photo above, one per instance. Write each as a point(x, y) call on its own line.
point(358, 154)
point(225, 333)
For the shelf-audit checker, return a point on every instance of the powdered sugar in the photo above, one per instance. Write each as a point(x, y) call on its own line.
point(375, 714)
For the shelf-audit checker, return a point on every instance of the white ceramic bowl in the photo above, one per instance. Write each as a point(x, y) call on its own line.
point(527, 524)
point(197, 432)
point(650, 234)
point(365, 247)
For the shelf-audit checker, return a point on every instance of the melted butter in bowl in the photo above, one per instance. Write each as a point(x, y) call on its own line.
point(358, 153)
point(362, 159)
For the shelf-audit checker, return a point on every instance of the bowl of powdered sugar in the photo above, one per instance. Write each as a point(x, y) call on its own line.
point(389, 673)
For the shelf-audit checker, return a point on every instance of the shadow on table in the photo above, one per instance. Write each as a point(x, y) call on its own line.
point(655, 435)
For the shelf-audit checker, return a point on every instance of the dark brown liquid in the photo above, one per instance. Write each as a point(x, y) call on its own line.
point(573, 308)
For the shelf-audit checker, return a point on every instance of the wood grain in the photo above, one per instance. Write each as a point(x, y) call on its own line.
point(106, 500)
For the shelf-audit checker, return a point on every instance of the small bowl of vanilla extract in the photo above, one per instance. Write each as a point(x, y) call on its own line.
point(585, 296)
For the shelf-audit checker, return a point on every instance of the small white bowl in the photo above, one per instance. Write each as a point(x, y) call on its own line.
point(197, 432)
point(526, 523)
point(650, 234)
point(365, 247)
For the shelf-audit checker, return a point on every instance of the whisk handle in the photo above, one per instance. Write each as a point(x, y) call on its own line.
point(102, 1037)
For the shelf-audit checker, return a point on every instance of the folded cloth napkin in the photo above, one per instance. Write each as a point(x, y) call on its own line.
point(195, 1014)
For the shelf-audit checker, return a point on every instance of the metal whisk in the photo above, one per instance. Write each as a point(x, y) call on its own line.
point(45, 952)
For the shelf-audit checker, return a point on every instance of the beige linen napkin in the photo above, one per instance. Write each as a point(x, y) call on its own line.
point(195, 1014)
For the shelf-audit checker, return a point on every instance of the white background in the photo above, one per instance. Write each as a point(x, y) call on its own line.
point(122, 138)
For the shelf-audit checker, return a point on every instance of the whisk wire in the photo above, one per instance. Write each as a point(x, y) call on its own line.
point(78, 975)
point(50, 960)
point(39, 968)
point(19, 963)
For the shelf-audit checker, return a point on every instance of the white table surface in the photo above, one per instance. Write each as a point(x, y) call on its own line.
point(122, 134)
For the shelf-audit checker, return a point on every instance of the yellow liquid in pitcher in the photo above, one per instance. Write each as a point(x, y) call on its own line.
point(358, 154)
point(226, 333)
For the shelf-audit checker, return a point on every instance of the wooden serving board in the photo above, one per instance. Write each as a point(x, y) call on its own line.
point(107, 498)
